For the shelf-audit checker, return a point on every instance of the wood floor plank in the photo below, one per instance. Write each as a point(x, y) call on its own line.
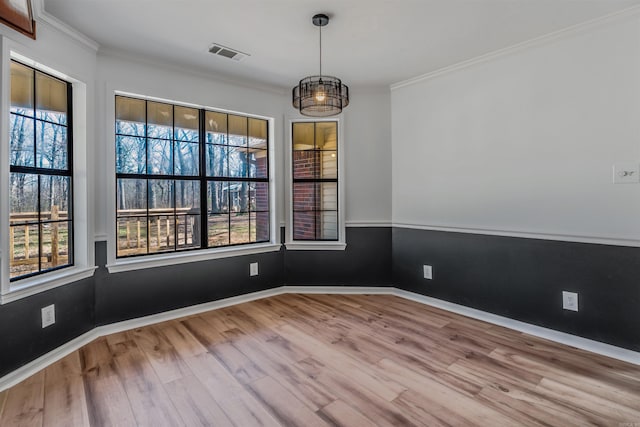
point(326, 360)
point(342, 414)
point(525, 404)
point(572, 378)
point(3, 399)
point(164, 359)
point(185, 344)
point(236, 402)
point(107, 401)
point(25, 403)
point(65, 402)
point(149, 401)
point(445, 396)
point(309, 392)
point(428, 412)
point(605, 408)
point(194, 403)
point(376, 382)
point(284, 405)
point(383, 411)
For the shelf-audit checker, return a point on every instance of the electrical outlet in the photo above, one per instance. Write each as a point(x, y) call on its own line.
point(48, 315)
point(428, 272)
point(253, 269)
point(570, 301)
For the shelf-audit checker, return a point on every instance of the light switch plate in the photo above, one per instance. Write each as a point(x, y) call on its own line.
point(626, 173)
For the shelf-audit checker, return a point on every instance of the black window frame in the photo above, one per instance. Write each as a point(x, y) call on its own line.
point(202, 178)
point(316, 180)
point(40, 171)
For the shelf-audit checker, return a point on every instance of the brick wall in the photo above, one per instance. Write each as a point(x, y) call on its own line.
point(262, 201)
point(306, 164)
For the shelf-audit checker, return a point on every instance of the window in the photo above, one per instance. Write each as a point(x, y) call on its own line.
point(188, 178)
point(315, 186)
point(41, 173)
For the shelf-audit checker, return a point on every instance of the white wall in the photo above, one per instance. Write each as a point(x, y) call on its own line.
point(525, 142)
point(367, 145)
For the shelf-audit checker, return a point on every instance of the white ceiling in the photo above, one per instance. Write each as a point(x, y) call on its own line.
point(367, 42)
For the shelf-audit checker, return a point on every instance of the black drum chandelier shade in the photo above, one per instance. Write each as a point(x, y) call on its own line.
point(320, 96)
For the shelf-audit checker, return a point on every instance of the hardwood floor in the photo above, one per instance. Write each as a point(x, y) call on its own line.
point(317, 360)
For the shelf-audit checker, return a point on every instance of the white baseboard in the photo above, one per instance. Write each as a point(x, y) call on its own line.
point(53, 356)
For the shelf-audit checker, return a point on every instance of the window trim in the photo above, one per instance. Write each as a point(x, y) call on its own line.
point(115, 264)
point(315, 245)
point(83, 240)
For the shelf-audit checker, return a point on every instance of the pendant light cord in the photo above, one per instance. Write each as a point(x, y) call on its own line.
point(320, 27)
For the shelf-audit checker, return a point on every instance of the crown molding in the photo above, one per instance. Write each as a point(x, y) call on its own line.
point(519, 47)
point(41, 15)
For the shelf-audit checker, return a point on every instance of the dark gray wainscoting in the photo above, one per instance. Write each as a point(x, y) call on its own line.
point(22, 338)
point(523, 279)
point(365, 262)
point(131, 294)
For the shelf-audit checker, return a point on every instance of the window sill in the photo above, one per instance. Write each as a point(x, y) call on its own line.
point(160, 260)
point(315, 246)
point(44, 282)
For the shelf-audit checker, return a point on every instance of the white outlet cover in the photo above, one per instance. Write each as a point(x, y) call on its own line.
point(48, 315)
point(428, 272)
point(570, 301)
point(626, 173)
point(253, 269)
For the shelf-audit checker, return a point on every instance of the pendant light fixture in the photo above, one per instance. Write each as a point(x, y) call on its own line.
point(320, 96)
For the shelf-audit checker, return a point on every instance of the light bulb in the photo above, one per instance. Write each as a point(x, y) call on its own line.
point(320, 93)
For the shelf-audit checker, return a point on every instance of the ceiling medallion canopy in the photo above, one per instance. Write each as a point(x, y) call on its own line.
point(320, 96)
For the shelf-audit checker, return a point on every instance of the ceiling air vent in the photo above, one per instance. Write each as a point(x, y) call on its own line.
point(218, 49)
